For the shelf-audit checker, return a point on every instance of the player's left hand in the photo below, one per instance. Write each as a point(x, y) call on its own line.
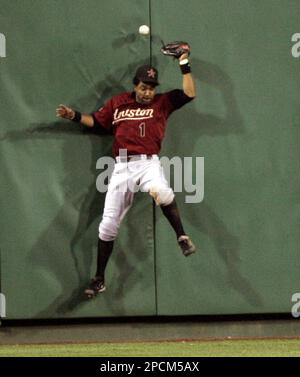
point(176, 49)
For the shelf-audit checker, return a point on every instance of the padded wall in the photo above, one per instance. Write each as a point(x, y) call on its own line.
point(79, 53)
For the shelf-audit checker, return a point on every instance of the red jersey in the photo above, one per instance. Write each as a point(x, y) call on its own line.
point(137, 127)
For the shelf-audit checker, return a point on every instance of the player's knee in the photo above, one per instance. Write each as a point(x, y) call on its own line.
point(163, 196)
point(166, 197)
point(108, 229)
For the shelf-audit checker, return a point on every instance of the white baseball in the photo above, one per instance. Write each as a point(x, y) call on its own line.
point(144, 29)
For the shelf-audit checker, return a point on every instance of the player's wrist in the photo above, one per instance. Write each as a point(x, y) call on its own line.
point(185, 66)
point(77, 117)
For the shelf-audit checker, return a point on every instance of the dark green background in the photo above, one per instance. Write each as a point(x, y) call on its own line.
point(244, 122)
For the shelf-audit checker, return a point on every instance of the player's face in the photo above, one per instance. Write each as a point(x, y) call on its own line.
point(144, 93)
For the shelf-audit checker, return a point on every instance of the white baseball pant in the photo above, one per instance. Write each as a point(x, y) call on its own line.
point(140, 173)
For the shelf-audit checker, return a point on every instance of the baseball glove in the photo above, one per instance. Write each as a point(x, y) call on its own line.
point(175, 49)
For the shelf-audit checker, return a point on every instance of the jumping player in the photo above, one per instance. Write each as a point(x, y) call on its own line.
point(138, 121)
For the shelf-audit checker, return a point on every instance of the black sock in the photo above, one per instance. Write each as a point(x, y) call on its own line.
point(104, 252)
point(172, 214)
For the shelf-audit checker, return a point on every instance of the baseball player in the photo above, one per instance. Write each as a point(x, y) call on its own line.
point(138, 120)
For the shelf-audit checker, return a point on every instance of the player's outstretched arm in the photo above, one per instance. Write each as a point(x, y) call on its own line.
point(188, 82)
point(66, 112)
point(181, 50)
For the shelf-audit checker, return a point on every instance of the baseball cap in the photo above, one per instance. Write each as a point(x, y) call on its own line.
point(147, 74)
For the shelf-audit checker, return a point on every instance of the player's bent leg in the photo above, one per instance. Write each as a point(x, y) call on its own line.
point(159, 189)
point(172, 214)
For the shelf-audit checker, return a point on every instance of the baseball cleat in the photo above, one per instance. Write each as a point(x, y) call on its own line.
point(186, 245)
point(96, 286)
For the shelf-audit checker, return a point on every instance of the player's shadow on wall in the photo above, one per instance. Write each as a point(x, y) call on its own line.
point(226, 244)
point(82, 204)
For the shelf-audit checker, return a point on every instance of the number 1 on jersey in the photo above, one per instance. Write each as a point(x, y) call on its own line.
point(142, 128)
